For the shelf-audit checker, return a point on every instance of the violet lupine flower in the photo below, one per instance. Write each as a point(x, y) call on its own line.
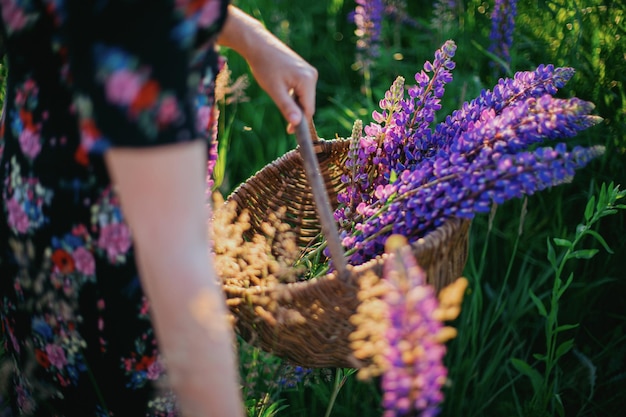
point(413, 178)
point(546, 79)
point(368, 15)
point(396, 10)
point(444, 13)
point(212, 159)
point(476, 174)
point(502, 26)
point(354, 181)
point(404, 122)
point(415, 375)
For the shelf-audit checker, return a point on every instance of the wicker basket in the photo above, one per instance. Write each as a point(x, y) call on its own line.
point(324, 305)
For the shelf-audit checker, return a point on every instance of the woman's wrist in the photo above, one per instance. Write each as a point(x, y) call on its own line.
point(241, 32)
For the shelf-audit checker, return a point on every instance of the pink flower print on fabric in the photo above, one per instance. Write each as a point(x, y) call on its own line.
point(25, 400)
point(84, 261)
point(25, 198)
point(203, 118)
point(56, 356)
point(18, 220)
point(155, 370)
point(30, 143)
point(115, 240)
point(14, 343)
point(145, 307)
point(168, 111)
point(209, 13)
point(122, 86)
point(13, 15)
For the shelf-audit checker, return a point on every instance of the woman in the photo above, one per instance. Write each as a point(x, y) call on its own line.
point(103, 156)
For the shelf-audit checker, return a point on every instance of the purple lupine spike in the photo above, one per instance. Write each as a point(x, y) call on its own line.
point(416, 373)
point(404, 128)
point(502, 26)
point(494, 178)
point(526, 123)
point(397, 10)
point(418, 177)
point(445, 12)
point(368, 16)
point(546, 79)
point(399, 127)
point(351, 196)
point(487, 164)
point(212, 154)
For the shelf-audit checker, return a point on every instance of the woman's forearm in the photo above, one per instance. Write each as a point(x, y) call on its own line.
point(162, 193)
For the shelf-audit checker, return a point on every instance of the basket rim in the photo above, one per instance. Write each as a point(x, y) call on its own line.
point(449, 226)
point(326, 146)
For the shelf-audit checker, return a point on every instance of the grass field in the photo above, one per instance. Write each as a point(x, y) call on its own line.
point(543, 326)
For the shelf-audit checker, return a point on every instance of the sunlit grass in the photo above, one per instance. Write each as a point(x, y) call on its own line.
point(508, 257)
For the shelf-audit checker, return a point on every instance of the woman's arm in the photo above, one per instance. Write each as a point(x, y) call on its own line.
point(162, 192)
point(278, 70)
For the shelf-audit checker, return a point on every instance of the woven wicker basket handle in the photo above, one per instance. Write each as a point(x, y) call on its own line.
point(320, 196)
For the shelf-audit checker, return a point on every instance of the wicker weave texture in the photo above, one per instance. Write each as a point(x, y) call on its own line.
point(311, 323)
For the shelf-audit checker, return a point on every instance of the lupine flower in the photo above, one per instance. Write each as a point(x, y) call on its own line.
point(445, 12)
point(411, 177)
point(396, 10)
point(415, 355)
point(502, 26)
point(290, 376)
point(368, 16)
point(401, 334)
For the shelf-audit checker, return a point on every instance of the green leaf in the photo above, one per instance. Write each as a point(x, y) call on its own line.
point(551, 255)
point(583, 254)
point(538, 303)
point(565, 327)
point(540, 356)
point(564, 348)
point(607, 212)
point(525, 369)
point(589, 209)
point(602, 198)
point(562, 242)
point(600, 239)
point(560, 409)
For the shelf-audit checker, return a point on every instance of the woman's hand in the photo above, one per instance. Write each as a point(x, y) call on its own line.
point(287, 78)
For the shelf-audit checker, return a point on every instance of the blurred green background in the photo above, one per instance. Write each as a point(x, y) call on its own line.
point(500, 323)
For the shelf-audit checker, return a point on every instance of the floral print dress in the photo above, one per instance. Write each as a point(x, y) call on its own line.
point(84, 75)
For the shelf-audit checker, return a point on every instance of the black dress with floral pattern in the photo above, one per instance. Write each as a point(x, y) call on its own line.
point(84, 75)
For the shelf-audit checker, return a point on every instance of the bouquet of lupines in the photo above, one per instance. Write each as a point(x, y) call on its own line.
point(407, 177)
